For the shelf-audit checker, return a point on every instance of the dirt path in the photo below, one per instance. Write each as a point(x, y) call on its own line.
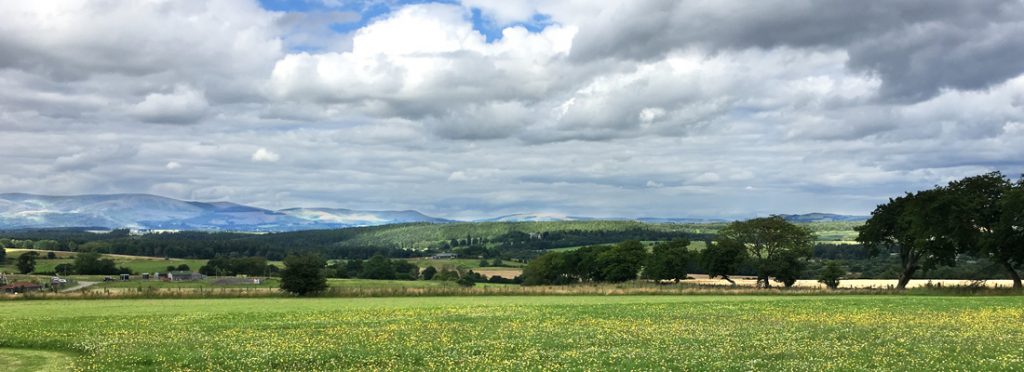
point(78, 286)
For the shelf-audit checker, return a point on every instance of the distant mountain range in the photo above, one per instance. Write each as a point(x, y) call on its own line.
point(822, 217)
point(151, 212)
point(534, 217)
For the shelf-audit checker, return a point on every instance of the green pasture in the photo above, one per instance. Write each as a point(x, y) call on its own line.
point(733, 332)
point(137, 264)
point(466, 263)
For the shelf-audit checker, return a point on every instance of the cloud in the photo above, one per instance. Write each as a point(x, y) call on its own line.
point(622, 108)
point(916, 47)
point(264, 155)
point(459, 176)
point(182, 106)
point(92, 157)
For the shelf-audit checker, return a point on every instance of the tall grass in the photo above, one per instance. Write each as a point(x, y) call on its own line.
point(625, 289)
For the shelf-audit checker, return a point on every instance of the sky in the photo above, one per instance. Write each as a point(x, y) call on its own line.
point(477, 108)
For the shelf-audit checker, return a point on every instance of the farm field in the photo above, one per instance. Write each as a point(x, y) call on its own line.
point(141, 264)
point(271, 284)
point(516, 333)
point(468, 263)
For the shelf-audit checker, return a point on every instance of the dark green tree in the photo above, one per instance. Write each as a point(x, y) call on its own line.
point(428, 273)
point(583, 263)
point(917, 226)
point(354, 268)
point(623, 262)
point(767, 241)
point(1009, 240)
point(787, 266)
point(978, 225)
point(405, 270)
point(64, 269)
point(831, 274)
point(668, 261)
point(303, 274)
point(91, 263)
point(378, 267)
point(27, 262)
point(723, 258)
point(549, 268)
point(3, 254)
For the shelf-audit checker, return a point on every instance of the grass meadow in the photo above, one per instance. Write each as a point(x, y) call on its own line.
point(764, 332)
point(139, 264)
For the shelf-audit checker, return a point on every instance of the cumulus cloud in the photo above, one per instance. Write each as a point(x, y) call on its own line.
point(622, 108)
point(264, 155)
point(182, 106)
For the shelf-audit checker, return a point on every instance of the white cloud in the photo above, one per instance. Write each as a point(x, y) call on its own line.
point(264, 155)
point(182, 106)
point(459, 176)
point(172, 165)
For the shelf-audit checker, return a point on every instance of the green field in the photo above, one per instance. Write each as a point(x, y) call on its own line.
point(275, 283)
point(137, 264)
point(466, 263)
point(515, 333)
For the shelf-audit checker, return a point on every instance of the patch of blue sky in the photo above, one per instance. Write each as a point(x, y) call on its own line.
point(369, 10)
point(492, 30)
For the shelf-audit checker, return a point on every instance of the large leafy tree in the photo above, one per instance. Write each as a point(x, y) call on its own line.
point(977, 215)
point(986, 219)
point(772, 244)
point(378, 267)
point(623, 262)
point(723, 258)
point(27, 262)
point(549, 268)
point(303, 274)
point(917, 227)
point(583, 263)
point(1009, 236)
point(668, 261)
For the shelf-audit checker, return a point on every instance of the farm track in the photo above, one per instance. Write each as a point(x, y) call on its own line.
point(80, 285)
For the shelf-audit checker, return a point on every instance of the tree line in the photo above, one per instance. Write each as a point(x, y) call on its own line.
point(346, 244)
point(771, 246)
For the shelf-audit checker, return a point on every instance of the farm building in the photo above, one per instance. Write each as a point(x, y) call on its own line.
point(184, 275)
point(444, 256)
point(21, 287)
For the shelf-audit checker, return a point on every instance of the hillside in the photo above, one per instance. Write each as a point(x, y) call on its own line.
point(522, 239)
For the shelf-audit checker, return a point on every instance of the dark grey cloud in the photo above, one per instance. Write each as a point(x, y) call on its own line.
point(917, 47)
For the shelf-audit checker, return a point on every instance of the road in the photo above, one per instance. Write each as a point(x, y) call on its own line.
point(78, 286)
